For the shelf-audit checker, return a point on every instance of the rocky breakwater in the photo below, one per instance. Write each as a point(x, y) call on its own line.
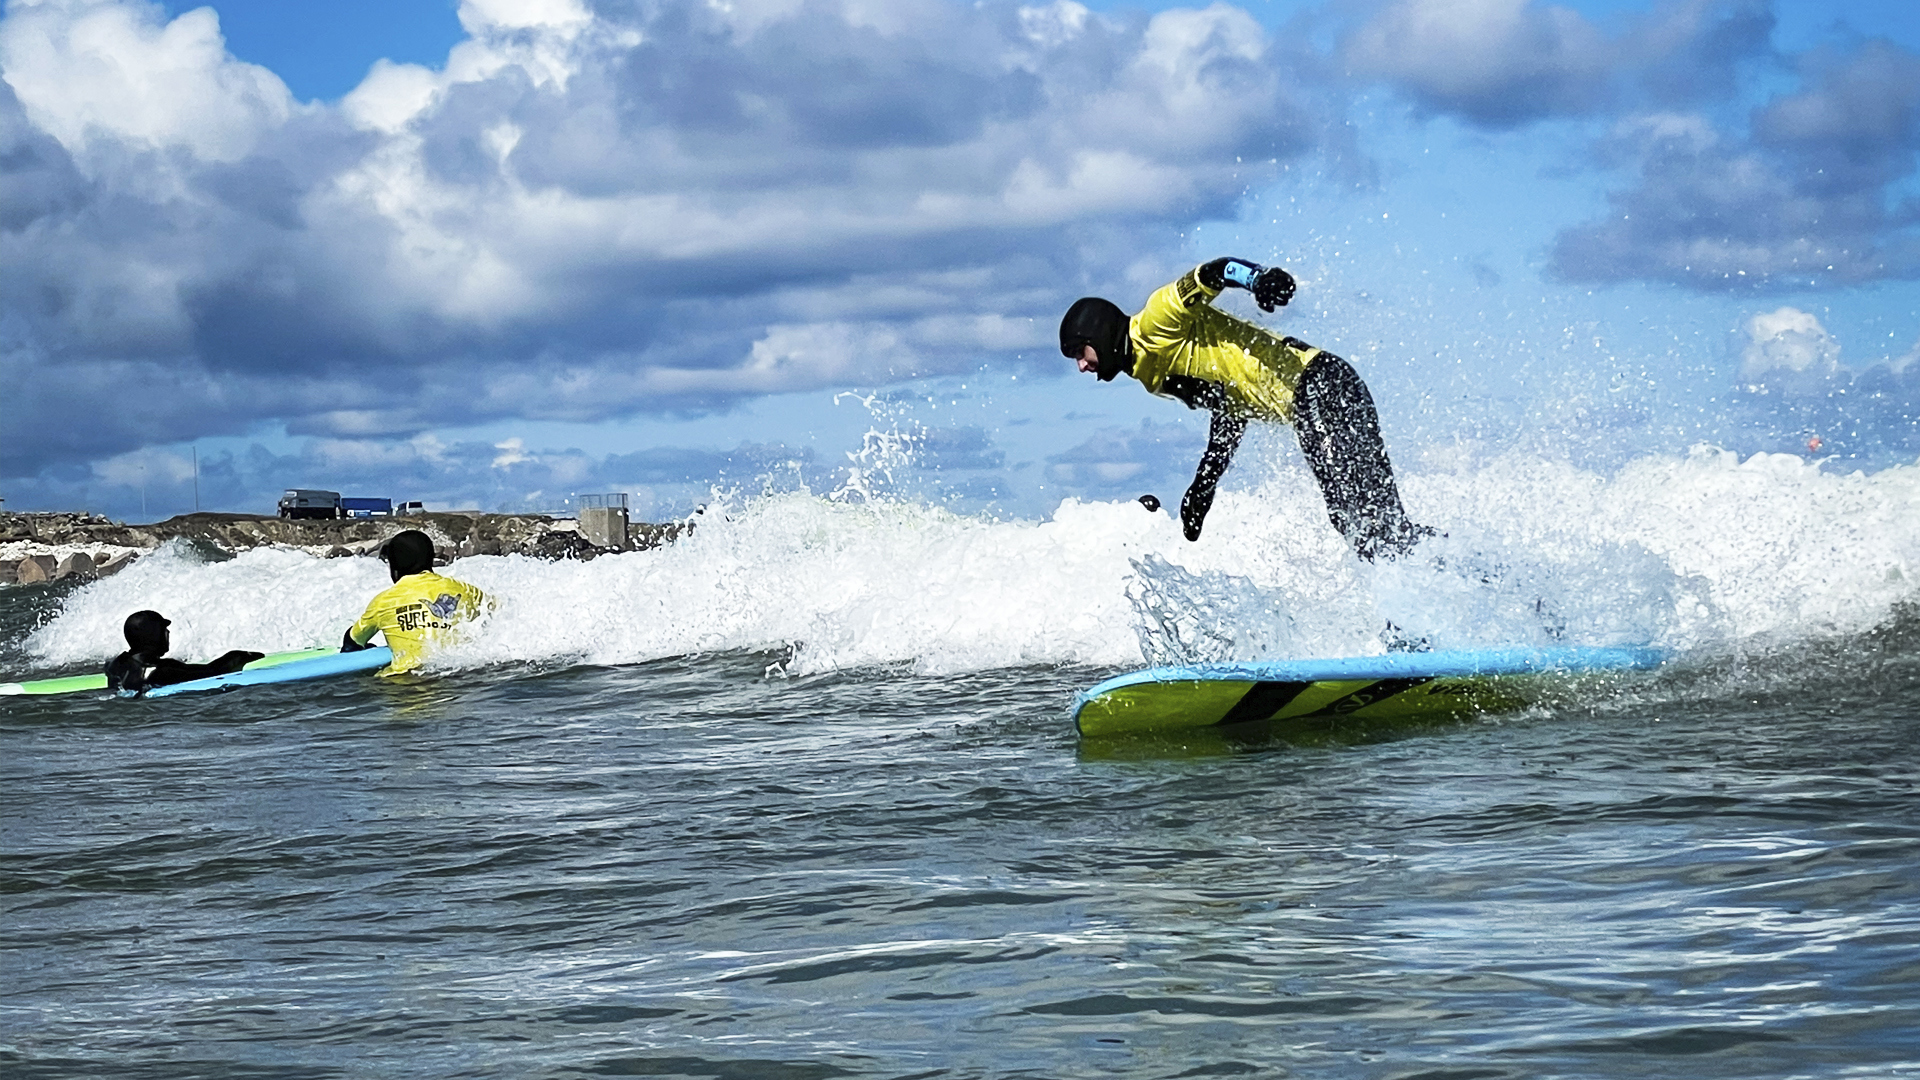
point(47, 547)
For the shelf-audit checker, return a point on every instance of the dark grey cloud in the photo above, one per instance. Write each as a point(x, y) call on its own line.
point(955, 464)
point(1125, 463)
point(1857, 125)
point(669, 206)
point(1503, 63)
point(1807, 192)
point(685, 465)
point(1807, 197)
point(37, 177)
point(804, 80)
point(956, 449)
point(665, 482)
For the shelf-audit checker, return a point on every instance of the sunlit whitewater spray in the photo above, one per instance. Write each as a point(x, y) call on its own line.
point(1702, 552)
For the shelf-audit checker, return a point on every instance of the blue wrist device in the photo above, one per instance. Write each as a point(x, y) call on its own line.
point(1241, 274)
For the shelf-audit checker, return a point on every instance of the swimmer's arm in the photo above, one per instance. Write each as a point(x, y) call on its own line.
point(361, 632)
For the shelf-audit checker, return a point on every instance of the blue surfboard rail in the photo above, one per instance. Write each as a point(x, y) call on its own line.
point(1407, 665)
point(320, 667)
point(1392, 684)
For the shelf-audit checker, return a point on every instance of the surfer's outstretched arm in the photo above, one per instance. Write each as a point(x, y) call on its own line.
point(1223, 438)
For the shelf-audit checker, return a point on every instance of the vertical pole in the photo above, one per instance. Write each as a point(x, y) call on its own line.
point(196, 479)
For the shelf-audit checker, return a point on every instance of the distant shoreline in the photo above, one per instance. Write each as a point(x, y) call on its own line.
point(68, 544)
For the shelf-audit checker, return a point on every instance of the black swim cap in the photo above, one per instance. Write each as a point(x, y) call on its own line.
point(408, 552)
point(146, 632)
point(1101, 324)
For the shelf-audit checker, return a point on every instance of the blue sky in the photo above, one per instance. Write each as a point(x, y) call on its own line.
point(494, 253)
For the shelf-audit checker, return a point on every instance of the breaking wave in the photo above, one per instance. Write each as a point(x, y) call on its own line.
point(1702, 552)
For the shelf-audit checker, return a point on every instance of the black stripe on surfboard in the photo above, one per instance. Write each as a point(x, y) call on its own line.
point(1264, 699)
point(1261, 701)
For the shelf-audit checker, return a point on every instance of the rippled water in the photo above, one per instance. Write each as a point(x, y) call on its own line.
point(800, 798)
point(684, 868)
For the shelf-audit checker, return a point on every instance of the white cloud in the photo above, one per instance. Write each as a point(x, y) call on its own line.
point(95, 71)
point(481, 15)
point(143, 467)
point(512, 452)
point(1053, 25)
point(429, 448)
point(589, 213)
point(390, 96)
point(1808, 196)
point(1901, 363)
point(1472, 53)
point(1788, 340)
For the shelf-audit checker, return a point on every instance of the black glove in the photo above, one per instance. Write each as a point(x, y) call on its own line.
point(235, 659)
point(1272, 288)
point(347, 644)
point(1193, 510)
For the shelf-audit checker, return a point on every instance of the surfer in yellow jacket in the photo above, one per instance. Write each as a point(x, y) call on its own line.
point(1181, 346)
point(419, 608)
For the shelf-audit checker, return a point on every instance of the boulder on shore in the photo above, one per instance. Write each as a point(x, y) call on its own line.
point(113, 564)
point(34, 569)
point(78, 564)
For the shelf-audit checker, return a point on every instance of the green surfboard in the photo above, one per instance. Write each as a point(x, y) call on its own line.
point(73, 684)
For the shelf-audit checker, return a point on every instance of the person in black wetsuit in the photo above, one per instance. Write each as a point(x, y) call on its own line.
point(1181, 346)
point(146, 664)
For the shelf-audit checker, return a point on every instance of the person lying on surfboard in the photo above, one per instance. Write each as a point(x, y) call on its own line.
point(419, 607)
point(1181, 346)
point(146, 664)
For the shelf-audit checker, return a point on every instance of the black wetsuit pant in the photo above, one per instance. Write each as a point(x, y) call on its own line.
point(1340, 436)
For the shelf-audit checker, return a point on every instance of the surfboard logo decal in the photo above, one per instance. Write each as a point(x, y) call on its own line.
point(1372, 694)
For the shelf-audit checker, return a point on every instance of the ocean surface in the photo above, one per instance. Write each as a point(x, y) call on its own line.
point(799, 796)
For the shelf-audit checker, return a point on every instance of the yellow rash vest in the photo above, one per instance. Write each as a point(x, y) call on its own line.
point(415, 612)
point(1180, 339)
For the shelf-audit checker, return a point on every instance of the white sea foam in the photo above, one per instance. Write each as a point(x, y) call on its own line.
point(1698, 552)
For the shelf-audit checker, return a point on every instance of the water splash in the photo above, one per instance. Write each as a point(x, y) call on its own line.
point(1704, 551)
point(886, 452)
point(1185, 618)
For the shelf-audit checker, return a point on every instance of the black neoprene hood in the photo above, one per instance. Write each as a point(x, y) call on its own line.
point(146, 632)
point(409, 552)
point(1101, 324)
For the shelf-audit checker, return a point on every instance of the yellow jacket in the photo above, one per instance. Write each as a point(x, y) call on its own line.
point(1179, 337)
point(414, 612)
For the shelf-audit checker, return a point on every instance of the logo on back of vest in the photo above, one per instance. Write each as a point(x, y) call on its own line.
point(445, 605)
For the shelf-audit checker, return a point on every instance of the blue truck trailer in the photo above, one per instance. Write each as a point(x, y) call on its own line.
point(315, 503)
